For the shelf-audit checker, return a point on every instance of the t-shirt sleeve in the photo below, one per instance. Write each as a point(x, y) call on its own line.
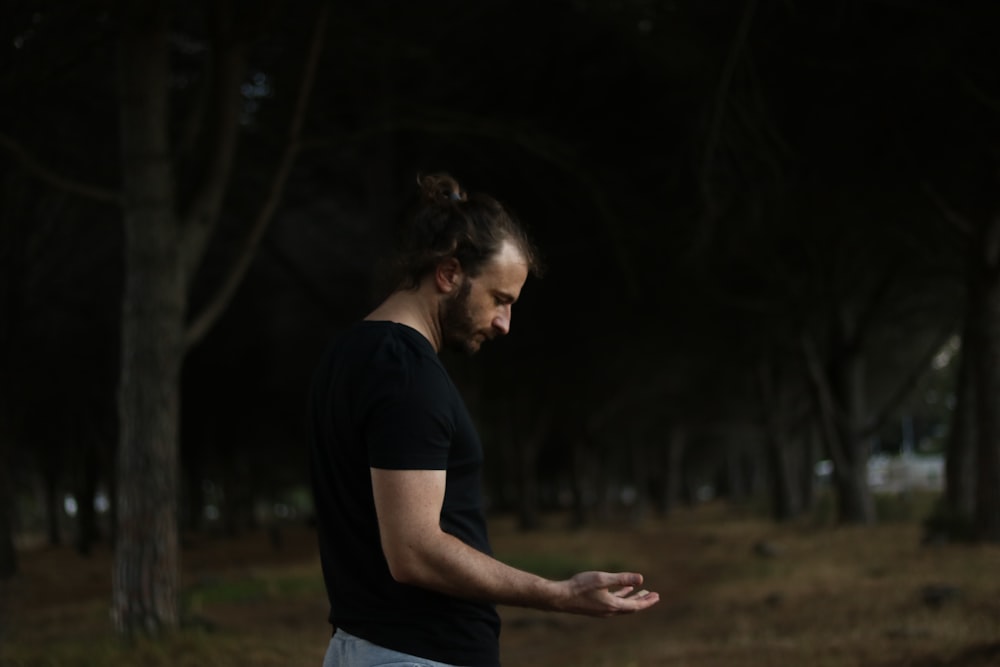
point(409, 426)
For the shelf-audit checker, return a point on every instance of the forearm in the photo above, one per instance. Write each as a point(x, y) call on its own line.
point(443, 563)
point(419, 553)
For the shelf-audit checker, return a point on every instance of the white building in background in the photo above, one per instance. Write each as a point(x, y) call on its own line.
point(897, 473)
point(908, 472)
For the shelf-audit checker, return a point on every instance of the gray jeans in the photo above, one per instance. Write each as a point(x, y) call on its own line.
point(346, 650)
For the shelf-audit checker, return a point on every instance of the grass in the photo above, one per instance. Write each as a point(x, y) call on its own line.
point(737, 591)
point(251, 588)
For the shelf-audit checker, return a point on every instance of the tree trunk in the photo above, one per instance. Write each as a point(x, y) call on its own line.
point(987, 390)
point(639, 474)
point(582, 481)
point(855, 502)
point(807, 468)
point(785, 499)
point(527, 482)
point(734, 478)
point(53, 509)
point(161, 256)
point(237, 498)
point(111, 478)
point(195, 496)
point(960, 454)
point(530, 432)
point(8, 555)
point(783, 476)
point(847, 383)
point(146, 563)
point(87, 533)
point(10, 305)
point(672, 470)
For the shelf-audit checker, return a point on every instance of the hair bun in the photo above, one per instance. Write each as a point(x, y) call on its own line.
point(440, 188)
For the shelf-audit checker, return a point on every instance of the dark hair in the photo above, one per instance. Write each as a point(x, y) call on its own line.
point(447, 222)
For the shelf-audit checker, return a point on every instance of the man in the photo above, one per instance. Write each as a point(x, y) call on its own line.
point(396, 461)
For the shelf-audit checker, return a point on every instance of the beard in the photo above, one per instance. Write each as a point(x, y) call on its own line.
point(458, 329)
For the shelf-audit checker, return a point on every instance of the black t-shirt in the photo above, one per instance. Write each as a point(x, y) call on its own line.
point(382, 399)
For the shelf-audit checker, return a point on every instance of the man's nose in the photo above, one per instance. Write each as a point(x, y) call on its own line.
point(502, 321)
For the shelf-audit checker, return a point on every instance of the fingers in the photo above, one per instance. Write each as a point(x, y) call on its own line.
point(619, 584)
point(611, 579)
point(627, 578)
point(626, 600)
point(610, 593)
point(641, 600)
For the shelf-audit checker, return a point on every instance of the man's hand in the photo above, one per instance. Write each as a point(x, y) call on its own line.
point(605, 594)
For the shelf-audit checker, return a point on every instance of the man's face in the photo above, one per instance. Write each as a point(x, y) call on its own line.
point(480, 309)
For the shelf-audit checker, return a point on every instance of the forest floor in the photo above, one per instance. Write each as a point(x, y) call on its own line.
point(736, 591)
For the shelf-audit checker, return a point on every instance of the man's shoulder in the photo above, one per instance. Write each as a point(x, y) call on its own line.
point(382, 349)
point(385, 341)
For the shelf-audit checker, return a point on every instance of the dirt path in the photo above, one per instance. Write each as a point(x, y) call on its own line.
point(736, 592)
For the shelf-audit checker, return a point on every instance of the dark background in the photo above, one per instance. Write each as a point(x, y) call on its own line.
point(716, 187)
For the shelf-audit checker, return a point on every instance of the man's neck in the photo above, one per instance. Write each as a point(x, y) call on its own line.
point(416, 308)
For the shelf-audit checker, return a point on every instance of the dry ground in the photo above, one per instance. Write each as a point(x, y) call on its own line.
point(737, 592)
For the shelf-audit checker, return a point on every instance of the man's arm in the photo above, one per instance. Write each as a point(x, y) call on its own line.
point(419, 553)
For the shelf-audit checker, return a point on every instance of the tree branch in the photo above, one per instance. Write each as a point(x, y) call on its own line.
point(705, 175)
point(450, 123)
point(950, 214)
point(211, 313)
point(977, 93)
point(906, 386)
point(192, 125)
point(764, 371)
point(991, 242)
point(871, 308)
point(200, 220)
point(825, 403)
point(43, 173)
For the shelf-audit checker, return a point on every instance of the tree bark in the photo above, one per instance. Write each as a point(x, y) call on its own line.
point(840, 406)
point(146, 564)
point(854, 496)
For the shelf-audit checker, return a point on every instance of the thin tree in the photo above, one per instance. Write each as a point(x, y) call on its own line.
point(165, 240)
point(973, 474)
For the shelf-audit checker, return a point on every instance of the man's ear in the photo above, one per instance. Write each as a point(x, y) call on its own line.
point(448, 275)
